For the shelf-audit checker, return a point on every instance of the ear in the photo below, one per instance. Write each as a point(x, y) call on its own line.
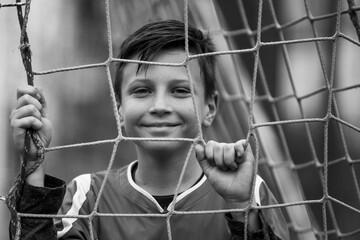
point(211, 109)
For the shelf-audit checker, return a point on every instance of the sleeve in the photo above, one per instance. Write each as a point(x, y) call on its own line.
point(274, 226)
point(39, 200)
point(237, 230)
point(79, 200)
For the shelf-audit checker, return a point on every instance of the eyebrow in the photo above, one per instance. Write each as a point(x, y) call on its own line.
point(136, 80)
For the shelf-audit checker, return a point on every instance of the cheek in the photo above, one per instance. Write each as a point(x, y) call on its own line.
point(200, 108)
point(129, 123)
point(191, 119)
point(186, 109)
point(131, 112)
point(131, 115)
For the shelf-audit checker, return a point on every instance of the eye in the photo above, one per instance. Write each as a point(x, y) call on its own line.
point(141, 92)
point(181, 92)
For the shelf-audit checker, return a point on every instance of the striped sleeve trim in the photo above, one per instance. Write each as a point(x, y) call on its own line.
point(258, 183)
point(82, 188)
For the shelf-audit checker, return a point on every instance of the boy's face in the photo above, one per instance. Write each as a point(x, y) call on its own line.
point(157, 103)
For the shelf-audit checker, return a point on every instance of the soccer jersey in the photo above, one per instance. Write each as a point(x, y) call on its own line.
point(121, 195)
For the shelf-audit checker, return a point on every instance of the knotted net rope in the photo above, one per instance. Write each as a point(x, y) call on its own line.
point(14, 195)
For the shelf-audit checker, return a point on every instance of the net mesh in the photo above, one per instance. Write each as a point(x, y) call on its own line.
point(267, 122)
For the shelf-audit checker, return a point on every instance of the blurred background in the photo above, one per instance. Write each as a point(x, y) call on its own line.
point(291, 81)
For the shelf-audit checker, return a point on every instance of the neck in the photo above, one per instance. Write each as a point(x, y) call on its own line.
point(159, 174)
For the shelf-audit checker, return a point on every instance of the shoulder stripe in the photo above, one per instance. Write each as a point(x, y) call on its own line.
point(82, 188)
point(258, 183)
point(190, 190)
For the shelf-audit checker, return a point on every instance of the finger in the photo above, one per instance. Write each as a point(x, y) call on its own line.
point(209, 151)
point(26, 123)
point(200, 152)
point(26, 89)
point(201, 157)
point(32, 95)
point(42, 100)
point(26, 111)
point(239, 151)
point(28, 99)
point(244, 151)
point(219, 156)
point(229, 156)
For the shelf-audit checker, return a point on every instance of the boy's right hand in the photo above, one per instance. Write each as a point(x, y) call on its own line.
point(30, 112)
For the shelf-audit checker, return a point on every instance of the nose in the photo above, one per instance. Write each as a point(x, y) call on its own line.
point(160, 105)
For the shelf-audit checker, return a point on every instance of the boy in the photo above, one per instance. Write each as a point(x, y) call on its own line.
point(154, 102)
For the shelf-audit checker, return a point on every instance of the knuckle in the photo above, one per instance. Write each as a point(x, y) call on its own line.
point(228, 147)
point(33, 109)
point(11, 116)
point(229, 161)
point(12, 124)
point(217, 146)
point(20, 90)
point(209, 146)
point(26, 98)
point(34, 121)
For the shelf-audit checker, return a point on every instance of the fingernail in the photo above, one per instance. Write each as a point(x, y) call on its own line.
point(38, 96)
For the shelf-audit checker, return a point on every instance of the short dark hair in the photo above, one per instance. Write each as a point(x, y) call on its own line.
point(154, 37)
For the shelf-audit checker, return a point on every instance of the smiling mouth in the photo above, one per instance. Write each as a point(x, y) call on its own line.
point(160, 125)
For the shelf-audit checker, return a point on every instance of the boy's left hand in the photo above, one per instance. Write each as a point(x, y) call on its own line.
point(229, 167)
